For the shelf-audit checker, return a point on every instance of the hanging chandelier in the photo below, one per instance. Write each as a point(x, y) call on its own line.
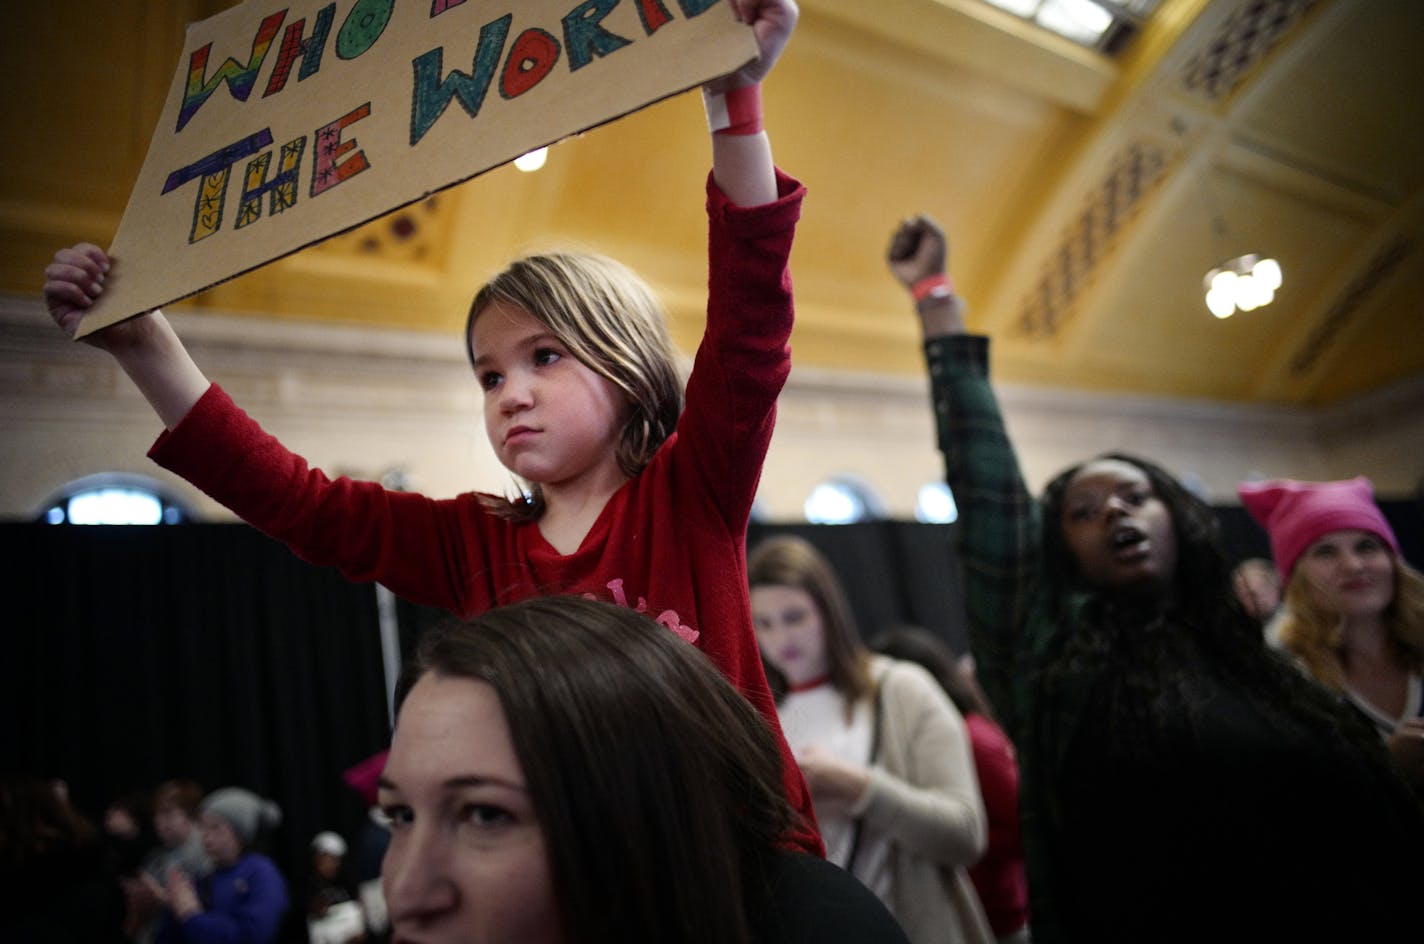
point(1244, 283)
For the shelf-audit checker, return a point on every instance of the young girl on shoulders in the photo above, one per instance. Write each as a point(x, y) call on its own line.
point(632, 496)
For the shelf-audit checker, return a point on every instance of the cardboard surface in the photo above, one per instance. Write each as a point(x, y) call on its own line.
point(288, 124)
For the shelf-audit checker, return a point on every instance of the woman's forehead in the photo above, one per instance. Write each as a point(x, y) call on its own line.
point(1109, 472)
point(451, 729)
point(503, 315)
point(1345, 536)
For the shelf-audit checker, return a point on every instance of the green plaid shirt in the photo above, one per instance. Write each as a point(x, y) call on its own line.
point(1010, 626)
point(998, 528)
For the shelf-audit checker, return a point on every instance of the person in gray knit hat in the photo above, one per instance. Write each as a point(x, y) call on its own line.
point(245, 897)
point(245, 813)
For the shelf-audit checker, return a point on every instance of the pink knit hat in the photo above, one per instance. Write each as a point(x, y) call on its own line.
point(363, 776)
point(1295, 514)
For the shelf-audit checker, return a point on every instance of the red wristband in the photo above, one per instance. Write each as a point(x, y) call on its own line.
point(736, 111)
point(932, 286)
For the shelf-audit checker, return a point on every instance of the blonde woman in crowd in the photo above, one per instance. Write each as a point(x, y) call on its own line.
point(1354, 609)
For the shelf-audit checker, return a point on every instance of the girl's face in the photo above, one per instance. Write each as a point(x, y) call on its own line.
point(1349, 572)
point(790, 632)
point(550, 419)
point(219, 841)
point(468, 860)
point(1117, 527)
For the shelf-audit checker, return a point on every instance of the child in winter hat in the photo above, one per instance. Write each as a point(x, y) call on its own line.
point(247, 813)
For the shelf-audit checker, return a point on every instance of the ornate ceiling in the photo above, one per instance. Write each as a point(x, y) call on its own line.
point(1085, 196)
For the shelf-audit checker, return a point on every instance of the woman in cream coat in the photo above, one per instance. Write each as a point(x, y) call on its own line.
point(885, 753)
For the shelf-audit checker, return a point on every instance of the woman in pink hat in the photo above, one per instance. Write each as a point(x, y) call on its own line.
point(1354, 610)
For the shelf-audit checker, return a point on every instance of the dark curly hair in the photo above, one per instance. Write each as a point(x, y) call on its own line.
point(1201, 562)
point(1138, 651)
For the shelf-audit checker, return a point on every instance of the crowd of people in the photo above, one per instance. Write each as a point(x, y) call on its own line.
point(1177, 773)
point(169, 866)
point(638, 729)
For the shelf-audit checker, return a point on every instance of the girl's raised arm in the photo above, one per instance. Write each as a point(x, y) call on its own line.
point(741, 152)
point(145, 347)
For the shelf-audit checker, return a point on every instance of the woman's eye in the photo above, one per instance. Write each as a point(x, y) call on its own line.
point(1080, 513)
point(396, 816)
point(1368, 546)
point(486, 815)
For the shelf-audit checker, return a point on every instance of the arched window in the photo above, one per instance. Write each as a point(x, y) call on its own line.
point(935, 504)
point(114, 498)
point(842, 500)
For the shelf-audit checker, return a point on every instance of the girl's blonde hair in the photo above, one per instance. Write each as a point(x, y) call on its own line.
point(788, 561)
point(1314, 633)
point(609, 319)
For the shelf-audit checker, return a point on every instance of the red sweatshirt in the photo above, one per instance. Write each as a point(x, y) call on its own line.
point(999, 876)
point(671, 542)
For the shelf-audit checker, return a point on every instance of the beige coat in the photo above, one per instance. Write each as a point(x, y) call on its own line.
point(924, 800)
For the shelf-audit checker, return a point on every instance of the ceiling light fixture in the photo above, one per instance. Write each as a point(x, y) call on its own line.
point(1244, 283)
point(532, 161)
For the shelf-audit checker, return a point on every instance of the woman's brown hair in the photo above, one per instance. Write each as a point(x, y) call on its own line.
point(657, 785)
point(788, 561)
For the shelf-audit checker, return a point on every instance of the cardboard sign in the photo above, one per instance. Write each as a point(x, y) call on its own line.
point(288, 123)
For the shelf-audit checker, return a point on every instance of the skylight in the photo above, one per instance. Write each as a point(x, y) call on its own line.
point(1104, 25)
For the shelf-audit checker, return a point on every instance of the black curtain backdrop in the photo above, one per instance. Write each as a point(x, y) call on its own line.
point(135, 654)
point(907, 572)
point(1244, 538)
point(894, 572)
point(131, 655)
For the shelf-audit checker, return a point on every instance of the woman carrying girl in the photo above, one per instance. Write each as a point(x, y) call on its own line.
point(631, 497)
point(1354, 610)
point(1181, 782)
point(564, 771)
point(883, 750)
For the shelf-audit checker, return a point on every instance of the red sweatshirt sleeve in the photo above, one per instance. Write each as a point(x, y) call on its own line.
point(744, 357)
point(412, 544)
